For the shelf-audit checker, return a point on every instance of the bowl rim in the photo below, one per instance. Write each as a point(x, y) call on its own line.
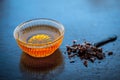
point(39, 45)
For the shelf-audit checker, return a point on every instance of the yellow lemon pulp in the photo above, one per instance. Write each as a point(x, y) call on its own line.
point(39, 38)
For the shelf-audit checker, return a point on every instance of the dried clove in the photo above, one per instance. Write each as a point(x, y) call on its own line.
point(110, 53)
point(85, 51)
point(85, 63)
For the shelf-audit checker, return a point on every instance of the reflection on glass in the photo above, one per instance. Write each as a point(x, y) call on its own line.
point(41, 68)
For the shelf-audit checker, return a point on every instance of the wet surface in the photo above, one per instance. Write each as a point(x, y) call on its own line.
point(91, 20)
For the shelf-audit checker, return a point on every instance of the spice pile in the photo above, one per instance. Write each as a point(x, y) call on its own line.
point(86, 52)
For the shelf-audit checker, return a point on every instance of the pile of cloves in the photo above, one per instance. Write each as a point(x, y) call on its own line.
point(85, 51)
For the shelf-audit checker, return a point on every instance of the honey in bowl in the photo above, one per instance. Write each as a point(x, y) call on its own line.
point(39, 40)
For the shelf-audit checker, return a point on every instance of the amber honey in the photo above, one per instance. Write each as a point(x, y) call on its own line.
point(39, 40)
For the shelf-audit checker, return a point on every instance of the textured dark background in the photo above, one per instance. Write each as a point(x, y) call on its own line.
point(92, 20)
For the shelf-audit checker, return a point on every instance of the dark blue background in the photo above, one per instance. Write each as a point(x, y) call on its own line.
point(92, 20)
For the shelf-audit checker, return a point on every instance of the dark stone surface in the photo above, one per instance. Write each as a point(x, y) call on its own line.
point(92, 20)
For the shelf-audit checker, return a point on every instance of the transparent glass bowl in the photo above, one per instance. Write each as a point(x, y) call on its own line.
point(39, 37)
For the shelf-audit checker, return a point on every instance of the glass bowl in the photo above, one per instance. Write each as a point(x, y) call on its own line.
point(39, 37)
